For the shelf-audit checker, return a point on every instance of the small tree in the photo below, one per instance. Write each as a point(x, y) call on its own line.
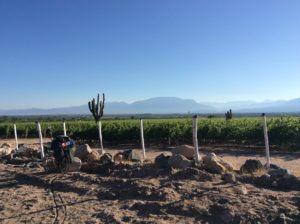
point(97, 112)
point(228, 115)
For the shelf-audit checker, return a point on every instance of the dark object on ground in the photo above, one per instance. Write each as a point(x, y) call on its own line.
point(179, 162)
point(161, 161)
point(193, 174)
point(106, 159)
point(229, 178)
point(251, 166)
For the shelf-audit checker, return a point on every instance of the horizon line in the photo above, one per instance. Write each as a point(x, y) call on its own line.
point(129, 103)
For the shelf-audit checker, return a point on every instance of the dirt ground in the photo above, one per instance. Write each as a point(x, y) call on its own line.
point(135, 193)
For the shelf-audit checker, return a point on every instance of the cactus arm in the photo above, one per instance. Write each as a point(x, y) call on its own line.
point(90, 107)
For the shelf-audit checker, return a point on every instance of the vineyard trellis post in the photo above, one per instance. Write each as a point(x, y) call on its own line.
point(142, 139)
point(97, 109)
point(41, 139)
point(65, 128)
point(100, 137)
point(16, 137)
point(266, 139)
point(195, 139)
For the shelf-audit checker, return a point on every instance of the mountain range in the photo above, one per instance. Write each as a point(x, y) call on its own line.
point(171, 105)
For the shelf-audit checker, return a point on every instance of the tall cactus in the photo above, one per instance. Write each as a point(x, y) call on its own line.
point(97, 111)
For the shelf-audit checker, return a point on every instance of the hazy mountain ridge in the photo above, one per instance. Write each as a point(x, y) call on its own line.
point(166, 105)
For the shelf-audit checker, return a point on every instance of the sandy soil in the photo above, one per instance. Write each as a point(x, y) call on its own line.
point(133, 193)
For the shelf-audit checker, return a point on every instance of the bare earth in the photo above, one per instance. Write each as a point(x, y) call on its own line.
point(141, 194)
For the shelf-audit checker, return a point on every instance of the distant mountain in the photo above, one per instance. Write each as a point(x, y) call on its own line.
point(170, 105)
point(159, 105)
point(244, 105)
point(163, 105)
point(290, 106)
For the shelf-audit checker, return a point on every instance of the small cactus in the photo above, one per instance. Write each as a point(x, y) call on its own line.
point(228, 115)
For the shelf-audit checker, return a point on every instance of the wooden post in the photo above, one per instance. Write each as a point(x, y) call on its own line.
point(142, 139)
point(41, 139)
point(100, 137)
point(266, 139)
point(195, 139)
point(16, 137)
point(65, 129)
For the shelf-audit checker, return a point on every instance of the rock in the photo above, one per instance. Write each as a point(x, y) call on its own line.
point(93, 157)
point(272, 166)
point(106, 159)
point(161, 161)
point(8, 157)
point(126, 154)
point(281, 179)
point(212, 164)
point(288, 182)
point(193, 174)
point(6, 145)
point(280, 173)
point(28, 150)
point(82, 152)
point(229, 178)
point(147, 161)
point(228, 166)
point(264, 180)
point(118, 158)
point(132, 155)
point(75, 165)
point(179, 162)
point(135, 156)
point(185, 150)
point(6, 151)
point(251, 166)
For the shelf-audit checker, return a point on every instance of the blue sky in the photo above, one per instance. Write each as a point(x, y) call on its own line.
point(63, 52)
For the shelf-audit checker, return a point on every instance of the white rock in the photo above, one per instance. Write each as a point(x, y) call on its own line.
point(83, 151)
point(6, 151)
point(6, 145)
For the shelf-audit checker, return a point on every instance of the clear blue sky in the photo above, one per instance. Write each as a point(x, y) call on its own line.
point(57, 53)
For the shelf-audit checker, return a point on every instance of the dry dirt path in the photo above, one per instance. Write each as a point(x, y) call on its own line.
point(137, 195)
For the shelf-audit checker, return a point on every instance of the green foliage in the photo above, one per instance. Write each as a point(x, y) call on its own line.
point(179, 130)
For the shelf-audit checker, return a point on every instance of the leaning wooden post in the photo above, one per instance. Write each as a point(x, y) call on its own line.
point(195, 139)
point(41, 139)
point(65, 129)
point(266, 139)
point(142, 139)
point(16, 137)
